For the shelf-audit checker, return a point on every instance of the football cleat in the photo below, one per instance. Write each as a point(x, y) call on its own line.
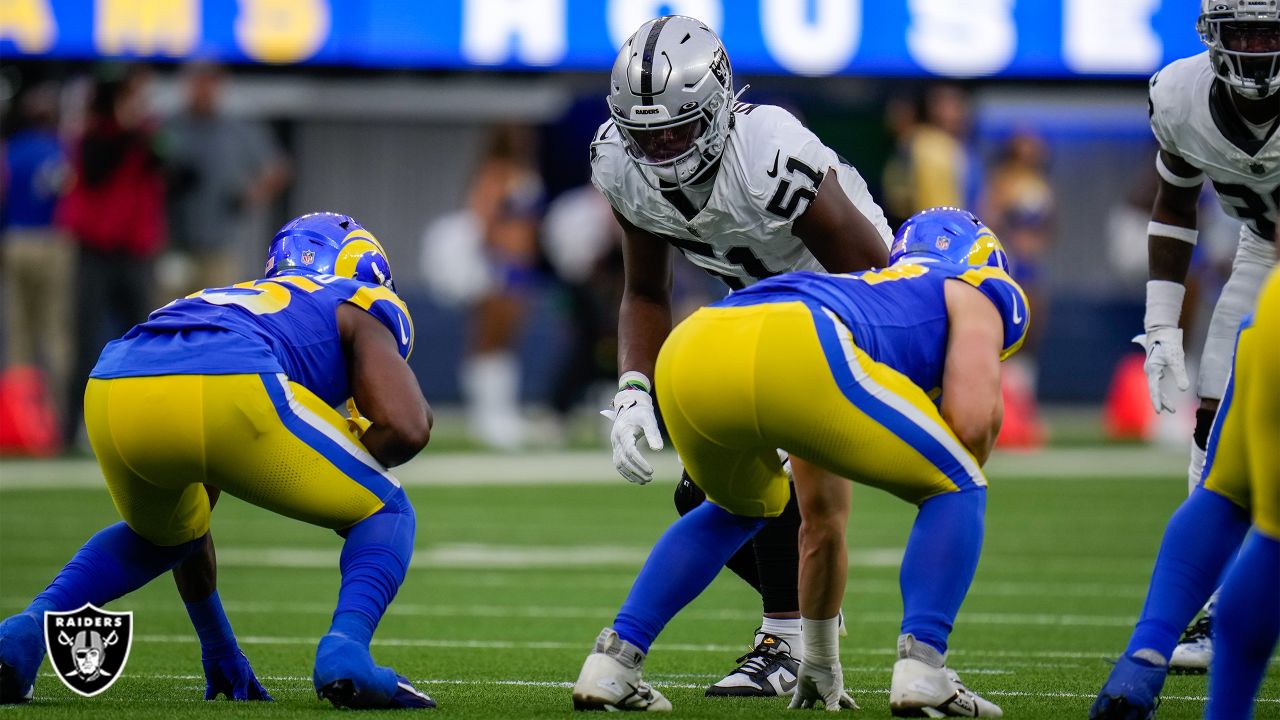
point(924, 687)
point(346, 676)
point(1132, 691)
point(610, 679)
point(1194, 653)
point(768, 670)
point(21, 650)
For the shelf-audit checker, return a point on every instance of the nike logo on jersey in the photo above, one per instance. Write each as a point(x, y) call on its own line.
point(773, 171)
point(1017, 316)
point(404, 336)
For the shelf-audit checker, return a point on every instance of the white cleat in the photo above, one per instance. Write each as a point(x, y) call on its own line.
point(924, 687)
point(1194, 653)
point(610, 679)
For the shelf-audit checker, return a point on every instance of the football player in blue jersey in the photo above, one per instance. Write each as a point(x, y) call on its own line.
point(233, 389)
point(889, 378)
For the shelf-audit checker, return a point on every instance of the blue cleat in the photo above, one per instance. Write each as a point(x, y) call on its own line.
point(1132, 692)
point(346, 676)
point(21, 650)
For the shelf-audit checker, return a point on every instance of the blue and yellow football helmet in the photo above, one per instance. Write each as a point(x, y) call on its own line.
point(949, 235)
point(329, 243)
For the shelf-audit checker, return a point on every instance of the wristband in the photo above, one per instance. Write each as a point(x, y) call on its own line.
point(1164, 304)
point(822, 640)
point(633, 380)
point(212, 626)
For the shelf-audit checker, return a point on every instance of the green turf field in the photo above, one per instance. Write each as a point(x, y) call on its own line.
point(522, 560)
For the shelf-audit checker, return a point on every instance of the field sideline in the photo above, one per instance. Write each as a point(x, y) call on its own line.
point(522, 559)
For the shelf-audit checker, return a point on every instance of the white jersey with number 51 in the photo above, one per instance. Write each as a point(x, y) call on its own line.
point(768, 174)
point(1192, 117)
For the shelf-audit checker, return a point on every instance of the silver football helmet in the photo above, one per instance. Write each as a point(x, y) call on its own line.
point(1243, 37)
point(671, 96)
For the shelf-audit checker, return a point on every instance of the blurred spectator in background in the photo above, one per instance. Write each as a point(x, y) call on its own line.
point(115, 212)
point(1018, 205)
point(37, 259)
point(583, 244)
point(485, 256)
point(220, 169)
point(930, 165)
point(901, 115)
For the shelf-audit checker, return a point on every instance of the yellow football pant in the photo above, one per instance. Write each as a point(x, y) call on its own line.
point(261, 438)
point(1244, 448)
point(734, 383)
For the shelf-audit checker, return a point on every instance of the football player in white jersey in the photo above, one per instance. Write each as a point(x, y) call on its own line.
point(745, 192)
point(1215, 116)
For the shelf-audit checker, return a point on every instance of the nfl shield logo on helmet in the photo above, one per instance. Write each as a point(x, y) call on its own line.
point(942, 243)
point(88, 647)
point(308, 257)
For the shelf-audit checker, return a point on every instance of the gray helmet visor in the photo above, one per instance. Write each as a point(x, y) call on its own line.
point(667, 143)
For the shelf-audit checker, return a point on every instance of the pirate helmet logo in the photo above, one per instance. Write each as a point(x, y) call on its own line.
point(88, 647)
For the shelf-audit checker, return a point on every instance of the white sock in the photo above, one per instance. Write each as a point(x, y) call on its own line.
point(822, 641)
point(789, 629)
point(491, 387)
point(1195, 468)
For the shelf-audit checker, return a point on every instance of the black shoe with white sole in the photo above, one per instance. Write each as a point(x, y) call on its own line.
point(767, 671)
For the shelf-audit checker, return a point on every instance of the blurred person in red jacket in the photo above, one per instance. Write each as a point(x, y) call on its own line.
point(115, 212)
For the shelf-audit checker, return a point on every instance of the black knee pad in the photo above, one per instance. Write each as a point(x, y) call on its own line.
point(688, 496)
point(1204, 422)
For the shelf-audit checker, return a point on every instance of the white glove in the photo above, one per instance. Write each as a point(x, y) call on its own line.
point(821, 687)
point(632, 416)
point(1164, 357)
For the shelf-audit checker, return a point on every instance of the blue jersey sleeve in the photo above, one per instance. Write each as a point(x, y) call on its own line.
point(390, 310)
point(1009, 300)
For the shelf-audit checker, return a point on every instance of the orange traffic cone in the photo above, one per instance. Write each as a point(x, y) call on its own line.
point(1128, 414)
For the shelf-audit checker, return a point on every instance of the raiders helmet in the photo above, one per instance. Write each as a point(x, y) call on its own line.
point(1243, 37)
point(671, 96)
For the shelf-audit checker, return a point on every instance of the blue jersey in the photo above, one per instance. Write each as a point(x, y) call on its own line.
point(898, 315)
point(285, 324)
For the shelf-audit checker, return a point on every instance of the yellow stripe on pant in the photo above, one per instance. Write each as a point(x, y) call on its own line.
point(261, 438)
point(734, 383)
point(1244, 463)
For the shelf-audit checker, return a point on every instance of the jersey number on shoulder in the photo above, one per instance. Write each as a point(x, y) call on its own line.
point(889, 274)
point(260, 297)
point(1258, 211)
point(785, 200)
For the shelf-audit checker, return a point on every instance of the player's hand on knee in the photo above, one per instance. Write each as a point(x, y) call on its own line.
point(633, 416)
point(821, 686)
point(1165, 358)
point(232, 676)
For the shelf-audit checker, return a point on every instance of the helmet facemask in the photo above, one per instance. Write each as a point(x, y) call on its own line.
point(676, 149)
point(1244, 47)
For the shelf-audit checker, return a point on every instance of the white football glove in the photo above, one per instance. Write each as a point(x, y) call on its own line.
point(1164, 358)
point(821, 687)
point(632, 416)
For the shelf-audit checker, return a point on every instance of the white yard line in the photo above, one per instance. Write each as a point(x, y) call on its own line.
point(656, 681)
point(594, 468)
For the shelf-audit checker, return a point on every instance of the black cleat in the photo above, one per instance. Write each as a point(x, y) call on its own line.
point(767, 671)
